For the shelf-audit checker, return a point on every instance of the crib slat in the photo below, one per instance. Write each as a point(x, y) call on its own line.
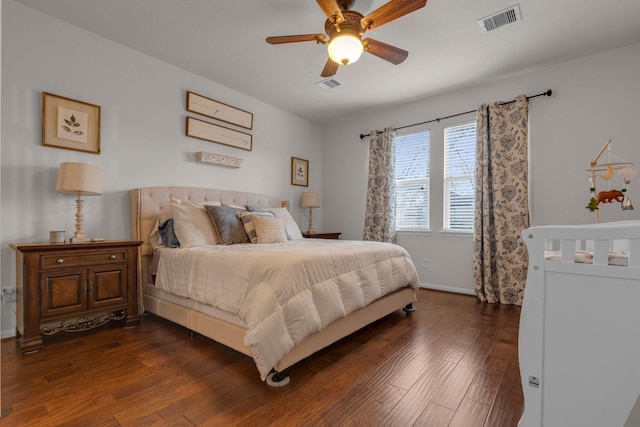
point(567, 250)
point(634, 253)
point(601, 252)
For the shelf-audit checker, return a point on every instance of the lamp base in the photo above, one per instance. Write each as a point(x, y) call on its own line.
point(310, 225)
point(79, 238)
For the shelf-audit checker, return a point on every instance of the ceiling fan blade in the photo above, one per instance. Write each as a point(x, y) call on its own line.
point(330, 68)
point(332, 10)
point(390, 11)
point(393, 54)
point(296, 38)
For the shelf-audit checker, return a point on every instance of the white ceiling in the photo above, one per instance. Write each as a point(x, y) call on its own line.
point(224, 41)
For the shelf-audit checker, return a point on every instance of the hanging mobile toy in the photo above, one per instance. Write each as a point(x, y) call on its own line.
point(626, 174)
point(605, 170)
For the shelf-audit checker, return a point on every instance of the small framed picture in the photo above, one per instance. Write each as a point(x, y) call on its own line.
point(299, 172)
point(70, 124)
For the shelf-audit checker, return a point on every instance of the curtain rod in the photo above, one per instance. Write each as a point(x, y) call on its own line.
point(548, 92)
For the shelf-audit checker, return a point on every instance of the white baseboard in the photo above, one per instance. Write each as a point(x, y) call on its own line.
point(448, 289)
point(7, 333)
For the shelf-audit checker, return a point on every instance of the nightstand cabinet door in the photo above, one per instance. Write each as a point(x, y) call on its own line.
point(63, 292)
point(107, 287)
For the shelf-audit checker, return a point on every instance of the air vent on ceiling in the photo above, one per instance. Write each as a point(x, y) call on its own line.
point(329, 83)
point(500, 19)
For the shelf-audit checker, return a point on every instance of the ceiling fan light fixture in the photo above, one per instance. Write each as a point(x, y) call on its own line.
point(345, 27)
point(345, 48)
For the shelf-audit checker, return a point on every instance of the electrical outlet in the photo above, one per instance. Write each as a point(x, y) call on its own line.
point(425, 263)
point(9, 294)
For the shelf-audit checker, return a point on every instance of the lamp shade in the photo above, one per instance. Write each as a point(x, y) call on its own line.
point(310, 199)
point(345, 49)
point(79, 178)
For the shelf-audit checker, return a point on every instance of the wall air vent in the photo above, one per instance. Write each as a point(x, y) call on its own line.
point(329, 83)
point(500, 19)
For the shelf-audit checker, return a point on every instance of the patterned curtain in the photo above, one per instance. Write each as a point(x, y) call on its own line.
point(502, 203)
point(380, 216)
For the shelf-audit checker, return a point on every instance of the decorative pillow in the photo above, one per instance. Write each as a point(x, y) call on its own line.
point(252, 208)
point(168, 235)
point(289, 223)
point(269, 229)
point(249, 225)
point(154, 237)
point(228, 226)
point(191, 224)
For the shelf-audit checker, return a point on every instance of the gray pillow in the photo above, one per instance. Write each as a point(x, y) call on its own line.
point(228, 226)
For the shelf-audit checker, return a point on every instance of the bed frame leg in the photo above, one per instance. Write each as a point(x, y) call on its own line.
point(409, 308)
point(278, 379)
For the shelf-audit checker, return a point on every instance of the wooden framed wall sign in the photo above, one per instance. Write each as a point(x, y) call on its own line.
point(214, 133)
point(217, 110)
point(70, 124)
point(299, 172)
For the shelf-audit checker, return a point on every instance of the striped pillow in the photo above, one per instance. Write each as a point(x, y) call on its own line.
point(249, 224)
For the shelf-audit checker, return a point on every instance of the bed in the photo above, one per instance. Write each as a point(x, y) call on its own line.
point(579, 337)
point(275, 337)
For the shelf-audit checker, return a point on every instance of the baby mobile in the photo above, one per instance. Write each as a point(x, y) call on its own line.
point(609, 166)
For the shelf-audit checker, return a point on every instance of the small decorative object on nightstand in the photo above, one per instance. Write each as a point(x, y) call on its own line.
point(315, 235)
point(63, 287)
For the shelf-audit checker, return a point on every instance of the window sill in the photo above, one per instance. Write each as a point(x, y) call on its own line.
point(456, 233)
point(413, 232)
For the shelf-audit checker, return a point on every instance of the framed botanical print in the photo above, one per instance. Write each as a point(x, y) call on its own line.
point(70, 124)
point(299, 172)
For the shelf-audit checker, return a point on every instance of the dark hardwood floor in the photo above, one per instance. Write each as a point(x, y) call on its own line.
point(451, 363)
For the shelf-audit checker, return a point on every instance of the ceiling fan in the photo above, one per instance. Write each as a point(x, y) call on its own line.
point(345, 28)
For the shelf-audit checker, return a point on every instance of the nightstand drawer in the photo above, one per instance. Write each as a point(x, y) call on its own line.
point(87, 258)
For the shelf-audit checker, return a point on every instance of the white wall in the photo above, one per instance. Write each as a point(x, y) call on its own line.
point(594, 99)
point(143, 140)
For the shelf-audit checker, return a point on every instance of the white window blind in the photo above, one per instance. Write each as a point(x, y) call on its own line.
point(459, 170)
point(412, 181)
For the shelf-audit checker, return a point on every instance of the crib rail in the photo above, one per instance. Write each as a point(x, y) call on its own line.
point(598, 241)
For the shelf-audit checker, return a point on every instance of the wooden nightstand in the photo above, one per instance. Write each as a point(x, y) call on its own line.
point(73, 287)
point(321, 235)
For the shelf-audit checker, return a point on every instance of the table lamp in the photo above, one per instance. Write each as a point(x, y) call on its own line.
point(310, 199)
point(79, 179)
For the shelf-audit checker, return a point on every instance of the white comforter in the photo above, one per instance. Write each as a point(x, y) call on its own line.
point(285, 292)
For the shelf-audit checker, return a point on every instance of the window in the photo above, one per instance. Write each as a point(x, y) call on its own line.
point(459, 169)
point(412, 181)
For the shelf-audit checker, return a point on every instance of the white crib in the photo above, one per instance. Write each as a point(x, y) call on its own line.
point(579, 339)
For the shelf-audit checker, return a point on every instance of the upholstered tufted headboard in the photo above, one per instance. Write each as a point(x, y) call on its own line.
point(148, 203)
